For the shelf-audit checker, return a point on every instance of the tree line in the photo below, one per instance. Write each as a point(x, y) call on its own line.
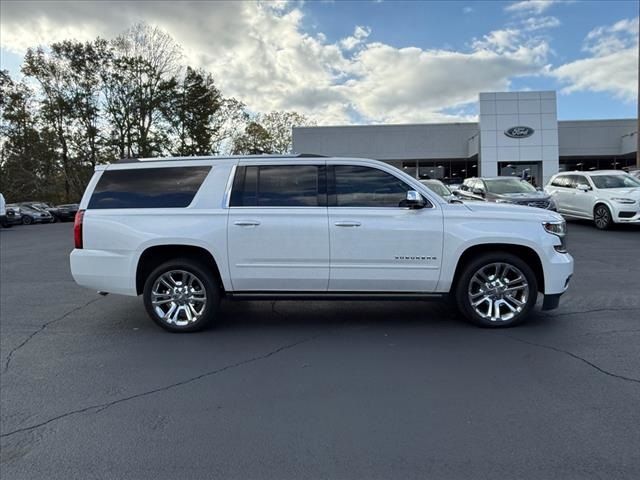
point(79, 104)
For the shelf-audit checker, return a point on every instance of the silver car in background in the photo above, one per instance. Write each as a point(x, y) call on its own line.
point(604, 196)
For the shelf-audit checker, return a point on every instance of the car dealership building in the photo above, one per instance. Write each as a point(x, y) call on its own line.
point(517, 131)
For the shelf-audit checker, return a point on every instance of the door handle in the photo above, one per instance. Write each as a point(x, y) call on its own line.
point(345, 223)
point(247, 223)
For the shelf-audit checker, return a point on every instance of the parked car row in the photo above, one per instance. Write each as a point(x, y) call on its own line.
point(606, 196)
point(28, 213)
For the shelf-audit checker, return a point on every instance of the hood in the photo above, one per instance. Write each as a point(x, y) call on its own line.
point(621, 192)
point(522, 196)
point(514, 212)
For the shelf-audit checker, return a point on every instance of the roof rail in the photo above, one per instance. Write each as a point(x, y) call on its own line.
point(221, 157)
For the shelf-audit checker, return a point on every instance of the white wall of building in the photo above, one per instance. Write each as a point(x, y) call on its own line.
point(387, 142)
point(500, 111)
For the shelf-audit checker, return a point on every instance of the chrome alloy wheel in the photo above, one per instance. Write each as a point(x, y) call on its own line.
point(498, 292)
point(178, 298)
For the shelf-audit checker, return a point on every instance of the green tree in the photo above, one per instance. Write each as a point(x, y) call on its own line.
point(255, 140)
point(144, 64)
point(27, 157)
point(270, 133)
point(189, 110)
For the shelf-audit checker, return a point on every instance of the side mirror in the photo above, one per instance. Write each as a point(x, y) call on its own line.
point(583, 188)
point(478, 191)
point(414, 200)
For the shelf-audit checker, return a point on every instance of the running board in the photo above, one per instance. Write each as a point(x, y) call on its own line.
point(251, 295)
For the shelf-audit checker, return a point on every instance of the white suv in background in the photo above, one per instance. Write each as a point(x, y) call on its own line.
point(604, 196)
point(184, 233)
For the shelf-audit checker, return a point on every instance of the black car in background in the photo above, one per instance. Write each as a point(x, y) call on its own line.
point(32, 214)
point(505, 190)
point(45, 207)
point(66, 212)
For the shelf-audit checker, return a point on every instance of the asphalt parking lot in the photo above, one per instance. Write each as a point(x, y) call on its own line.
point(90, 388)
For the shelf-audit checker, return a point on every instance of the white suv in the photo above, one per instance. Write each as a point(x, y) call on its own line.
point(185, 232)
point(604, 196)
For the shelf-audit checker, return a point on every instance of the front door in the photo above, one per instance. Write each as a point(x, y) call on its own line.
point(376, 243)
point(278, 234)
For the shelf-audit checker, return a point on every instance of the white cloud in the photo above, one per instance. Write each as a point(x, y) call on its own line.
point(530, 6)
point(467, 10)
point(613, 65)
point(532, 24)
point(260, 54)
point(359, 36)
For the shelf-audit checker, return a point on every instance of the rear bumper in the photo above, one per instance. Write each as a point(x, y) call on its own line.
point(103, 271)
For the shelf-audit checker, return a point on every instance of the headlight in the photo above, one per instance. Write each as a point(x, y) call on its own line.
point(559, 229)
point(504, 201)
point(626, 201)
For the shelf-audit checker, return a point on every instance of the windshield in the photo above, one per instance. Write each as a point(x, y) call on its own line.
point(438, 187)
point(508, 185)
point(615, 181)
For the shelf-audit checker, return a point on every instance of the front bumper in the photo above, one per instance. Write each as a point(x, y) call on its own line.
point(626, 216)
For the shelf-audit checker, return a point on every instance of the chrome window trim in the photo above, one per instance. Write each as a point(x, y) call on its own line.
point(226, 198)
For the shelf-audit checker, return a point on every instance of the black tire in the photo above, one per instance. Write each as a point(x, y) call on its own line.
point(602, 218)
point(207, 281)
point(54, 219)
point(466, 284)
point(27, 220)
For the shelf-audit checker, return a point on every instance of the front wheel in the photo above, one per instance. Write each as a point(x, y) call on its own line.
point(26, 220)
point(602, 217)
point(496, 290)
point(181, 296)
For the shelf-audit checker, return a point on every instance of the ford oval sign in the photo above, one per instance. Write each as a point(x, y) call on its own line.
point(519, 132)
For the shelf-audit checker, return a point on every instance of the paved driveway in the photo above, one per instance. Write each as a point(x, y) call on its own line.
point(92, 389)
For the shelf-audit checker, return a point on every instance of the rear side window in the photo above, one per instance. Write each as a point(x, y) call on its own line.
point(171, 187)
point(279, 186)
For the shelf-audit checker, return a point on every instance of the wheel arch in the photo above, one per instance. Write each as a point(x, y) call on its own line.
point(524, 252)
point(155, 255)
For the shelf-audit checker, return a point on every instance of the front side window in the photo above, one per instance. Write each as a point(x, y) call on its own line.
point(615, 181)
point(358, 186)
point(170, 187)
point(277, 186)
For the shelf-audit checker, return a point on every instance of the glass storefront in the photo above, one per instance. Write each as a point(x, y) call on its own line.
point(449, 170)
point(568, 164)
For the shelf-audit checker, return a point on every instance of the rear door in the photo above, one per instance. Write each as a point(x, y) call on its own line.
point(278, 234)
point(582, 201)
point(376, 243)
point(561, 191)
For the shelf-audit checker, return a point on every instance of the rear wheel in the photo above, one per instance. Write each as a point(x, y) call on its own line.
point(181, 296)
point(602, 217)
point(496, 290)
point(27, 220)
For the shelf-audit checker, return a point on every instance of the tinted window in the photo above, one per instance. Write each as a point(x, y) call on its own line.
point(508, 185)
point(277, 186)
point(615, 181)
point(357, 186)
point(559, 181)
point(148, 187)
point(580, 180)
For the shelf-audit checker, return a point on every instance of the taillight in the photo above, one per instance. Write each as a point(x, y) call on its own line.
point(77, 228)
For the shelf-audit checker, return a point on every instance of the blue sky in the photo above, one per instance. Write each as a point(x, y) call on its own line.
point(371, 61)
